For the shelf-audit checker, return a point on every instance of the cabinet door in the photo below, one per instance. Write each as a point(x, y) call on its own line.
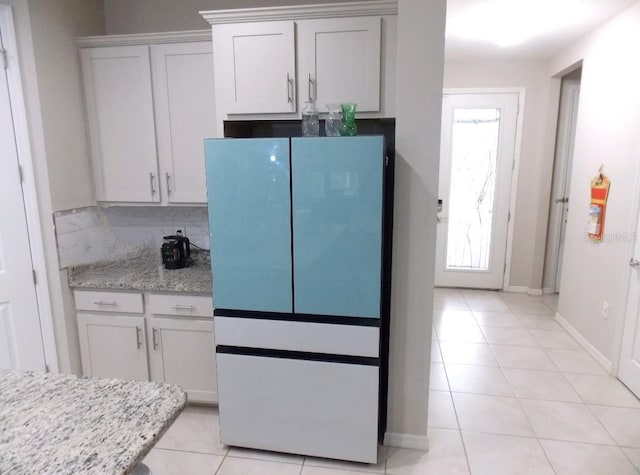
point(250, 223)
point(185, 116)
point(117, 82)
point(339, 61)
point(255, 67)
point(183, 352)
point(337, 225)
point(113, 346)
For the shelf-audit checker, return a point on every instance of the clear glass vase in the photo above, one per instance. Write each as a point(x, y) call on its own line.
point(334, 121)
point(349, 127)
point(310, 120)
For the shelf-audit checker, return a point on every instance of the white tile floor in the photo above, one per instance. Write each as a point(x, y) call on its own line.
point(511, 393)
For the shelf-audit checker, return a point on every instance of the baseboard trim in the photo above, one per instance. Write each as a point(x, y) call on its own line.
point(406, 441)
point(520, 289)
point(548, 291)
point(588, 347)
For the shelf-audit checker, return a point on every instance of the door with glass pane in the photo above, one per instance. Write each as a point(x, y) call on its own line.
point(476, 164)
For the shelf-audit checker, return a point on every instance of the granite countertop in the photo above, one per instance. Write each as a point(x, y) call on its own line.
point(143, 270)
point(62, 424)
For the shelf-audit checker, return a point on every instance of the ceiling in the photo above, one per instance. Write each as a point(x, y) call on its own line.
point(525, 29)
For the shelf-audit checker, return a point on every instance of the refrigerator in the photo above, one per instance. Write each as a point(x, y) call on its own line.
point(300, 255)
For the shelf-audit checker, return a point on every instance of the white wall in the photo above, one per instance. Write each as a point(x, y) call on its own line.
point(147, 16)
point(607, 133)
point(42, 81)
point(55, 24)
point(536, 157)
point(418, 112)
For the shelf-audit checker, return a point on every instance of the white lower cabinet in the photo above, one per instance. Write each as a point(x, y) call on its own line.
point(113, 346)
point(182, 352)
point(118, 339)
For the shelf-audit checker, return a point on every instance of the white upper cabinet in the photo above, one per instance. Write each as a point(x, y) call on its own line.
point(149, 107)
point(117, 84)
point(339, 61)
point(184, 116)
point(255, 67)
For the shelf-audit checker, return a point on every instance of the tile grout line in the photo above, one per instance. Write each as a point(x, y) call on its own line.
point(455, 411)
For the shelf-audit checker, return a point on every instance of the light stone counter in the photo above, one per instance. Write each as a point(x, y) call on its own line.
point(61, 424)
point(144, 271)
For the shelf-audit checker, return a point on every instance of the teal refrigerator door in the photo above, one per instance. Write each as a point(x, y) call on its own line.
point(248, 190)
point(337, 225)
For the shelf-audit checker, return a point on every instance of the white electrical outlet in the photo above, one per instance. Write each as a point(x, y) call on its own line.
point(605, 310)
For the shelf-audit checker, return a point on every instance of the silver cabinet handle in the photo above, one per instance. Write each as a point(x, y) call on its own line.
point(310, 83)
point(102, 302)
point(154, 334)
point(289, 94)
point(152, 180)
point(184, 307)
point(138, 339)
point(562, 200)
point(168, 183)
point(633, 262)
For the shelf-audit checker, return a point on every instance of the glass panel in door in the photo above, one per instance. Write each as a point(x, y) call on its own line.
point(473, 179)
point(248, 188)
point(337, 225)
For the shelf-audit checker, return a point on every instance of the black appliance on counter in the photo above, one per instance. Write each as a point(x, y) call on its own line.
point(176, 251)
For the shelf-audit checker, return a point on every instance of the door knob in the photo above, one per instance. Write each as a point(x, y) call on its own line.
point(562, 200)
point(633, 262)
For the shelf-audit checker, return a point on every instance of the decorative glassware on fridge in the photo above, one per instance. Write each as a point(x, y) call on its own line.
point(334, 121)
point(349, 127)
point(310, 120)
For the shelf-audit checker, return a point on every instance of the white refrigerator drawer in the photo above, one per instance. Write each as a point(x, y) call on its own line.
point(299, 406)
point(298, 336)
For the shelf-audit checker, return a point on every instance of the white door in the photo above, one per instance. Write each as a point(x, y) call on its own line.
point(117, 83)
point(182, 352)
point(21, 344)
point(113, 346)
point(629, 369)
point(339, 61)
point(562, 175)
point(183, 95)
point(476, 164)
point(255, 67)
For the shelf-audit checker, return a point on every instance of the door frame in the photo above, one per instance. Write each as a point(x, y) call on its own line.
point(29, 192)
point(513, 191)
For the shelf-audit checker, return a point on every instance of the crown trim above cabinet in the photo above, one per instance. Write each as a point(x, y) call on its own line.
point(302, 12)
point(144, 38)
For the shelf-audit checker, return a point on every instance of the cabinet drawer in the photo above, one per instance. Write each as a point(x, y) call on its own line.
point(108, 301)
point(180, 305)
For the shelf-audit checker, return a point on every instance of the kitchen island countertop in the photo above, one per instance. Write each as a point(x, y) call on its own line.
point(54, 423)
point(143, 270)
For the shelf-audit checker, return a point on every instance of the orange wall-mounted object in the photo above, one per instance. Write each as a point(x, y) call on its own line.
point(598, 206)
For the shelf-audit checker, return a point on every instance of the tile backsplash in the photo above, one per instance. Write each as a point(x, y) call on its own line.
point(95, 233)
